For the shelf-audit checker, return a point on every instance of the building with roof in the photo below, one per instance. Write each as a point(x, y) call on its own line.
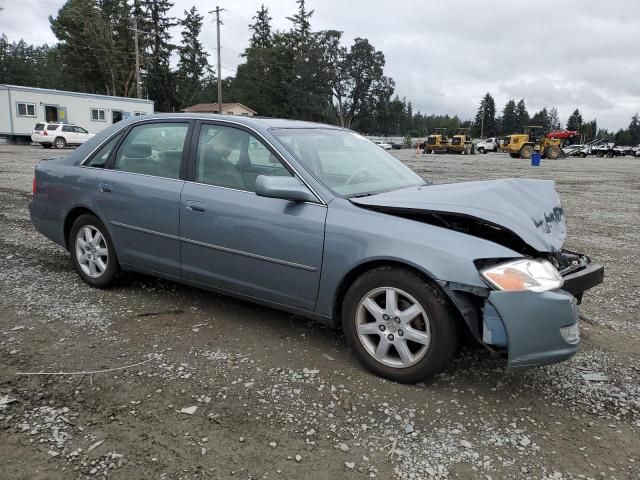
point(227, 109)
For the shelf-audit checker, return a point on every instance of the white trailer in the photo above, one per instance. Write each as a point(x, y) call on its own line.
point(22, 107)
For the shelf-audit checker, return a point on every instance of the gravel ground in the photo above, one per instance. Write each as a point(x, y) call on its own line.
point(221, 388)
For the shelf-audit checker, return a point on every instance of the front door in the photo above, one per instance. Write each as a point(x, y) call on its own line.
point(139, 196)
point(231, 238)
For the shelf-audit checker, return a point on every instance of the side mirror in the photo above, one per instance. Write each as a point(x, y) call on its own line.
point(286, 188)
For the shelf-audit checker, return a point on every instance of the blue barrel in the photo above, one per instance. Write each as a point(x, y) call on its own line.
point(535, 159)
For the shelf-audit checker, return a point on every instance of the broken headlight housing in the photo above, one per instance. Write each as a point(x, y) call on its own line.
point(523, 274)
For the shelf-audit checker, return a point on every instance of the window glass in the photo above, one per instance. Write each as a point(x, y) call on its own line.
point(97, 115)
point(39, 126)
point(233, 158)
point(81, 130)
point(346, 162)
point(99, 160)
point(153, 149)
point(52, 127)
point(26, 109)
point(68, 129)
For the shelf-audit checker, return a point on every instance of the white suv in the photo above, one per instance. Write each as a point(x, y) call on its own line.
point(59, 135)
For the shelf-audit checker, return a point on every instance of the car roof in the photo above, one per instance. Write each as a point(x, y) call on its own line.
point(261, 123)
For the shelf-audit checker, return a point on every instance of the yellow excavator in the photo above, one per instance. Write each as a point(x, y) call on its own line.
point(522, 145)
point(460, 142)
point(437, 142)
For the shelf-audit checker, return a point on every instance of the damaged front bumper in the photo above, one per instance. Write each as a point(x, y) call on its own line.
point(539, 328)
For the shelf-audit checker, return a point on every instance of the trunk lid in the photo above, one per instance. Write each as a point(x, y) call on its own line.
point(528, 208)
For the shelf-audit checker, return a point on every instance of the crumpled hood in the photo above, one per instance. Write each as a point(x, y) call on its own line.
point(529, 208)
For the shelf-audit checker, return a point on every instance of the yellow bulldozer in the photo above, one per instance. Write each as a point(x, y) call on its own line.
point(437, 142)
point(522, 145)
point(460, 142)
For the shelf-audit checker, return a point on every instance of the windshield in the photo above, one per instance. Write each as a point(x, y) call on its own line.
point(347, 163)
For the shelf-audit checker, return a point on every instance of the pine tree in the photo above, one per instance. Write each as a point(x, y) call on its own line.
point(485, 123)
point(509, 118)
point(192, 62)
point(302, 21)
point(554, 120)
point(261, 36)
point(522, 115)
point(542, 118)
point(634, 130)
point(159, 80)
point(575, 121)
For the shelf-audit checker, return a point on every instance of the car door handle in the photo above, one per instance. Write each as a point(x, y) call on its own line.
point(196, 206)
point(105, 188)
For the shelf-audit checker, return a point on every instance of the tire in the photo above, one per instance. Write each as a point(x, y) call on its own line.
point(526, 152)
point(101, 254)
point(46, 145)
point(553, 152)
point(582, 155)
point(60, 142)
point(481, 150)
point(433, 325)
point(599, 154)
point(609, 154)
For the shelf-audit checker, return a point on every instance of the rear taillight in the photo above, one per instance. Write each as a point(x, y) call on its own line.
point(45, 133)
point(34, 187)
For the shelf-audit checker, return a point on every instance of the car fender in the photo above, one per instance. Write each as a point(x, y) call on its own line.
point(355, 236)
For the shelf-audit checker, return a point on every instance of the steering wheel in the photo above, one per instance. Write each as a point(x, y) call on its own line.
point(355, 174)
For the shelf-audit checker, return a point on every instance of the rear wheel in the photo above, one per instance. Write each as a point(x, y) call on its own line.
point(599, 154)
point(582, 155)
point(92, 252)
point(526, 152)
point(609, 154)
point(60, 142)
point(399, 326)
point(553, 152)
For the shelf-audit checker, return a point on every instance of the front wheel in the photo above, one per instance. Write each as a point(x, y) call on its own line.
point(399, 326)
point(481, 150)
point(92, 252)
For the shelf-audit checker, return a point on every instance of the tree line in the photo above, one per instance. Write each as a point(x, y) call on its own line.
point(292, 73)
point(514, 117)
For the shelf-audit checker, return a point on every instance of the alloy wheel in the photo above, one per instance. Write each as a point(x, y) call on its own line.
point(92, 252)
point(393, 327)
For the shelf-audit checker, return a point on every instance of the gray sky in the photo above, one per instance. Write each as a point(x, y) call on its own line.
point(445, 55)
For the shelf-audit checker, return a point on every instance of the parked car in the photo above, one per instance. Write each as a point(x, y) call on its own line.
point(487, 145)
point(396, 146)
point(59, 135)
point(576, 150)
point(383, 145)
point(316, 220)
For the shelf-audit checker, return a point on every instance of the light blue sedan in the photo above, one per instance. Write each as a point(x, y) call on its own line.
point(319, 221)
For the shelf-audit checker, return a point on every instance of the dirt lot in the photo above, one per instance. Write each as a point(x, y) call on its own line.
point(281, 397)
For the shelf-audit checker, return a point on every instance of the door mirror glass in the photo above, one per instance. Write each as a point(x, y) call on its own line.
point(286, 188)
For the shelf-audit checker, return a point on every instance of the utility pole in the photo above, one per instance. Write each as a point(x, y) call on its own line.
point(135, 42)
point(482, 122)
point(218, 23)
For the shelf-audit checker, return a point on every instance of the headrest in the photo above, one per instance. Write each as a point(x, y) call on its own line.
point(137, 150)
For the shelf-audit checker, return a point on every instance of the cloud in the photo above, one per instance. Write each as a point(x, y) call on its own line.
point(444, 56)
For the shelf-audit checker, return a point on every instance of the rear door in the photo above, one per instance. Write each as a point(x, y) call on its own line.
point(233, 239)
point(138, 195)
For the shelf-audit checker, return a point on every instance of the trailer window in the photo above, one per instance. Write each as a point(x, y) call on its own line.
point(98, 115)
point(26, 109)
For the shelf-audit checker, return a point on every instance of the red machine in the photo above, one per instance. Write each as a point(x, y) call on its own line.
point(563, 134)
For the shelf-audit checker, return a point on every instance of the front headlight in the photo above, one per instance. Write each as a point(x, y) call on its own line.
point(524, 274)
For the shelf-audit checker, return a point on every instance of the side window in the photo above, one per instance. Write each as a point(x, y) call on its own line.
point(99, 160)
point(68, 129)
point(153, 149)
point(232, 158)
point(52, 127)
point(80, 130)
